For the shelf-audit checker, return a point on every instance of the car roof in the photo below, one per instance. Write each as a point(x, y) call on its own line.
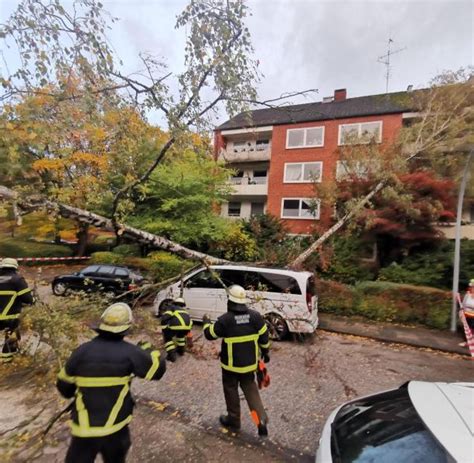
point(278, 271)
point(447, 409)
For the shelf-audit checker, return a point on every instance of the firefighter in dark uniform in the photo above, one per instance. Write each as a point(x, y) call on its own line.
point(176, 324)
point(14, 292)
point(98, 375)
point(245, 340)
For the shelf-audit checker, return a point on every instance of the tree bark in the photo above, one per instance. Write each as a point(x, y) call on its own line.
point(82, 239)
point(89, 218)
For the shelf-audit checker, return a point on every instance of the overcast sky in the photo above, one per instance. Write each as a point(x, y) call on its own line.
point(319, 44)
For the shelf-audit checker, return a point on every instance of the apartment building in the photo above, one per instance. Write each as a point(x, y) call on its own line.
point(278, 153)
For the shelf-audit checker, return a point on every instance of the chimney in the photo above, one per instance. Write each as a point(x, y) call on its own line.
point(340, 94)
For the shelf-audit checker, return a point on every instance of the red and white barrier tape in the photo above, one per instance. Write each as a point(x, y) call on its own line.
point(467, 329)
point(44, 259)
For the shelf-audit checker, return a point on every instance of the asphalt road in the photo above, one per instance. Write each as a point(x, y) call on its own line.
point(308, 380)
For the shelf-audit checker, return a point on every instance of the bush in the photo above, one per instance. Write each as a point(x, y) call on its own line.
point(164, 265)
point(128, 250)
point(107, 258)
point(432, 267)
point(386, 301)
point(12, 247)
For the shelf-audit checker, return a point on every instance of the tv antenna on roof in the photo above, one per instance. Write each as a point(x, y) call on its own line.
point(385, 60)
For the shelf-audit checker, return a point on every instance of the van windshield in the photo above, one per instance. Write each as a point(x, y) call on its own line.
point(261, 281)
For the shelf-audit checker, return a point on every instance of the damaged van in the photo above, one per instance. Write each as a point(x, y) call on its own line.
point(285, 298)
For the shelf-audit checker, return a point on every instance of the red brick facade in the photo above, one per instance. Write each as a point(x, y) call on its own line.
point(277, 189)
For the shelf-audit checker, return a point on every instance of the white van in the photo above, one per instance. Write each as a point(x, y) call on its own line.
point(285, 298)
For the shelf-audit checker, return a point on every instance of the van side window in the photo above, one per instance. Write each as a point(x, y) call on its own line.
point(233, 277)
point(203, 279)
point(275, 283)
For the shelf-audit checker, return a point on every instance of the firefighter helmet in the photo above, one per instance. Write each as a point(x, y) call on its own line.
point(179, 301)
point(8, 262)
point(471, 283)
point(116, 318)
point(237, 294)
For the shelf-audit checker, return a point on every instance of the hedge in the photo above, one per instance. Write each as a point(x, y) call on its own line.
point(12, 247)
point(385, 301)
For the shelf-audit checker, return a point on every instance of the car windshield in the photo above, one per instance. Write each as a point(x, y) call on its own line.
point(384, 427)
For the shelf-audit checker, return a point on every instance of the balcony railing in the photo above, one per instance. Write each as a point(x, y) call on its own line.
point(260, 153)
point(246, 186)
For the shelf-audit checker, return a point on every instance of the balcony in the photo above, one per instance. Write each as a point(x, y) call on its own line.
point(246, 154)
point(251, 187)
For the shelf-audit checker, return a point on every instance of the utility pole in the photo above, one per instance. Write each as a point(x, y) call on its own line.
point(457, 243)
point(385, 60)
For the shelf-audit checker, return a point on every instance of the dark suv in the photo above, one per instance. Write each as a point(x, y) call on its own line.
point(109, 279)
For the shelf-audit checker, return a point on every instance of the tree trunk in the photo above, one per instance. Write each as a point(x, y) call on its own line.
point(298, 262)
point(82, 239)
point(85, 217)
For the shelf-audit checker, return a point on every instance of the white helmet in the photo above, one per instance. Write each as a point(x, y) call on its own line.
point(237, 294)
point(179, 301)
point(116, 318)
point(9, 262)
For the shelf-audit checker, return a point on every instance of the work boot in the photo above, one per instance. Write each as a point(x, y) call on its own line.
point(180, 350)
point(229, 424)
point(171, 356)
point(262, 430)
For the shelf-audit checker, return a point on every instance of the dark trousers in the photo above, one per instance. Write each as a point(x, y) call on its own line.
point(175, 340)
point(12, 338)
point(113, 448)
point(231, 382)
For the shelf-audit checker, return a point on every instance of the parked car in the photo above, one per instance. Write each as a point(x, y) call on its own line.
point(285, 298)
point(109, 279)
point(419, 422)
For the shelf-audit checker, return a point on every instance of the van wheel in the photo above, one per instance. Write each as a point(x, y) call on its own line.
point(277, 327)
point(60, 289)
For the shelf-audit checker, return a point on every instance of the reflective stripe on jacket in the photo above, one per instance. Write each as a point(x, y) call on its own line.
point(98, 375)
point(177, 319)
point(14, 292)
point(245, 336)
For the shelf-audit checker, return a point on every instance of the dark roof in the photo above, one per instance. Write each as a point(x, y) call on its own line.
point(390, 103)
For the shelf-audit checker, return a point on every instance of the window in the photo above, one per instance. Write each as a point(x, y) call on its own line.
point(364, 132)
point(303, 172)
point(236, 179)
point(384, 427)
point(106, 271)
point(259, 177)
point(240, 146)
point(344, 170)
point(203, 279)
point(309, 137)
point(257, 208)
point(90, 270)
point(233, 209)
point(121, 272)
point(299, 208)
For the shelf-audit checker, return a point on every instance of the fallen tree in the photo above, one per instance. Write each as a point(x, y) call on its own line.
point(30, 204)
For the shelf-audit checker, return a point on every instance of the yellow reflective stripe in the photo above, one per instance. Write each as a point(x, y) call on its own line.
point(155, 355)
point(82, 415)
point(4, 315)
point(239, 369)
point(145, 345)
point(177, 314)
point(181, 341)
point(117, 407)
point(98, 431)
point(265, 346)
point(63, 376)
point(230, 355)
point(239, 339)
point(23, 291)
point(262, 330)
point(211, 330)
point(85, 381)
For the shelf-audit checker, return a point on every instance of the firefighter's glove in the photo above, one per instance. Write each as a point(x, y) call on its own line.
point(206, 319)
point(266, 358)
point(145, 345)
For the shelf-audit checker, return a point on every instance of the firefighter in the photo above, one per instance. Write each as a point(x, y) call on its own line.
point(245, 339)
point(98, 375)
point(14, 292)
point(176, 325)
